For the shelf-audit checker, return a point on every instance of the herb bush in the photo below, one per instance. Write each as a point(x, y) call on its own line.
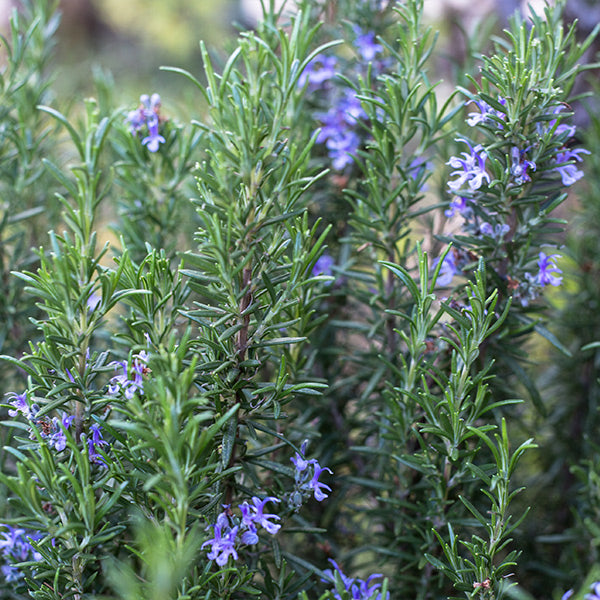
point(309, 364)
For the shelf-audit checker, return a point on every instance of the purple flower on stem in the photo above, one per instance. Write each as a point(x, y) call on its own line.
point(252, 515)
point(341, 149)
point(131, 379)
point(147, 115)
point(337, 133)
point(568, 171)
point(366, 45)
point(154, 139)
point(448, 269)
point(496, 232)
point(485, 110)
point(95, 441)
point(330, 575)
point(300, 462)
point(93, 300)
point(520, 165)
point(250, 536)
point(306, 477)
point(458, 204)
point(57, 437)
point(15, 547)
point(470, 169)
point(359, 589)
point(223, 542)
point(315, 485)
point(548, 268)
point(561, 128)
point(317, 72)
point(53, 431)
point(594, 592)
point(19, 402)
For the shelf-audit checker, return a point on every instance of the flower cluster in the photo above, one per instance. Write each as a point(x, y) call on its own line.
point(470, 177)
point(131, 379)
point(52, 430)
point(96, 441)
point(306, 477)
point(15, 547)
point(230, 532)
point(470, 170)
point(359, 589)
point(337, 131)
point(340, 122)
point(547, 274)
point(147, 115)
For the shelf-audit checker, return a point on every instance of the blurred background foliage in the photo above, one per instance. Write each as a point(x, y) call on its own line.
point(132, 39)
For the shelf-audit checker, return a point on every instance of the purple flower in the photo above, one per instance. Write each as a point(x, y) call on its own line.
point(520, 165)
point(96, 441)
point(458, 204)
point(306, 478)
point(561, 129)
point(317, 72)
point(131, 379)
point(53, 431)
point(315, 485)
point(93, 300)
point(343, 115)
point(147, 115)
point(359, 589)
point(594, 592)
point(223, 542)
point(154, 139)
point(250, 536)
point(366, 45)
point(568, 171)
point(485, 110)
point(58, 439)
point(337, 133)
point(330, 575)
point(548, 268)
point(341, 149)
point(448, 269)
point(252, 515)
point(136, 119)
point(19, 402)
point(15, 547)
point(496, 232)
point(323, 266)
point(470, 169)
point(299, 461)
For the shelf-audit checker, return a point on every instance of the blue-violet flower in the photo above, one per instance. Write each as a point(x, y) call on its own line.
point(548, 268)
point(470, 169)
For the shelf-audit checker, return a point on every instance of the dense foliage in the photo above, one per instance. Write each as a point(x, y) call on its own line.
point(334, 338)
